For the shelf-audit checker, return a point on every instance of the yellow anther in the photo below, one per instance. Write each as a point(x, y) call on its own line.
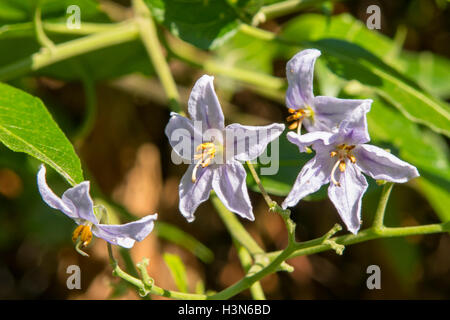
point(76, 233)
point(298, 115)
point(294, 125)
point(342, 166)
point(207, 152)
point(84, 233)
point(343, 152)
point(351, 157)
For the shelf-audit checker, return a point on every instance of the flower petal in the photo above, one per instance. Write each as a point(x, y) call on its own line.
point(182, 136)
point(231, 188)
point(347, 197)
point(314, 174)
point(329, 112)
point(353, 130)
point(319, 140)
point(300, 72)
point(81, 200)
point(204, 106)
point(382, 165)
point(193, 194)
point(125, 234)
point(52, 199)
point(249, 142)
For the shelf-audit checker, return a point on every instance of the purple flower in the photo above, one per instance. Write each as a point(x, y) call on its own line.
point(77, 204)
point(214, 152)
point(341, 157)
point(316, 113)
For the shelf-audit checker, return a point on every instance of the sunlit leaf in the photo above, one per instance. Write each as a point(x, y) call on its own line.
point(27, 126)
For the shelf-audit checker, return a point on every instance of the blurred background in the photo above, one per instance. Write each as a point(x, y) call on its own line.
point(112, 107)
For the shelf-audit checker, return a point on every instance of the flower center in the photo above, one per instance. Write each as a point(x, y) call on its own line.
point(342, 153)
point(205, 153)
point(297, 117)
point(83, 234)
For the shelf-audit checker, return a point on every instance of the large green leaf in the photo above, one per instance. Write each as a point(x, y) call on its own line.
point(351, 62)
point(27, 126)
point(205, 24)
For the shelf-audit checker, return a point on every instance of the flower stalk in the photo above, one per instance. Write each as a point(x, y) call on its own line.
point(379, 214)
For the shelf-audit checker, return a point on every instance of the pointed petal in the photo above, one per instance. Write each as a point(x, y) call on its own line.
point(314, 174)
point(204, 106)
point(231, 188)
point(329, 112)
point(319, 140)
point(347, 197)
point(193, 194)
point(249, 142)
point(80, 198)
point(300, 72)
point(125, 234)
point(52, 199)
point(183, 136)
point(382, 165)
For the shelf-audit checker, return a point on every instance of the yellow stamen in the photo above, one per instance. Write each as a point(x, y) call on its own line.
point(298, 116)
point(342, 152)
point(293, 126)
point(342, 166)
point(207, 152)
point(76, 233)
point(84, 233)
point(352, 158)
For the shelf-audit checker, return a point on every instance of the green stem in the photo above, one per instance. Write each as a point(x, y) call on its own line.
point(317, 245)
point(143, 288)
point(120, 34)
point(149, 38)
point(251, 278)
point(273, 206)
point(235, 228)
point(266, 196)
point(42, 38)
point(282, 8)
point(199, 59)
point(379, 214)
point(246, 260)
point(86, 28)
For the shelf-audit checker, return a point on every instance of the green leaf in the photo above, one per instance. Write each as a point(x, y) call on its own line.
point(175, 235)
point(425, 150)
point(205, 24)
point(177, 270)
point(27, 126)
point(351, 62)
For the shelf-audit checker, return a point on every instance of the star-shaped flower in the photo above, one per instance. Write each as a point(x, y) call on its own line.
point(341, 157)
point(214, 152)
point(77, 204)
point(315, 113)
